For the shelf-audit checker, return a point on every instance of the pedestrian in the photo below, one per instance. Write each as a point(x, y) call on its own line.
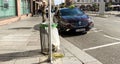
point(47, 12)
point(69, 3)
point(43, 10)
point(56, 8)
point(43, 5)
point(39, 11)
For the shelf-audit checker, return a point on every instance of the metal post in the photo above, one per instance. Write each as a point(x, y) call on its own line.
point(50, 43)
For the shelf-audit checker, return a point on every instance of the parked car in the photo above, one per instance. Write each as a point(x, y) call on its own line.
point(72, 19)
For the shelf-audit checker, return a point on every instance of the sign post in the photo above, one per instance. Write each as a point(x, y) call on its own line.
point(49, 27)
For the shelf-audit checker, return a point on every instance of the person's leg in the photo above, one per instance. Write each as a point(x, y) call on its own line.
point(47, 15)
point(43, 17)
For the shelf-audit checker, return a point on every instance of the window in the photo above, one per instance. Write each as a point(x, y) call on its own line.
point(99, 0)
point(105, 1)
point(25, 6)
point(78, 0)
point(95, 0)
point(71, 12)
point(116, 0)
point(7, 8)
point(82, 0)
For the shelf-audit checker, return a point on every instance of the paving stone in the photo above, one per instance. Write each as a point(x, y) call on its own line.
point(7, 62)
point(29, 60)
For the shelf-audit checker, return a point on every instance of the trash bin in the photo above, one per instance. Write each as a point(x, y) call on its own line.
point(44, 36)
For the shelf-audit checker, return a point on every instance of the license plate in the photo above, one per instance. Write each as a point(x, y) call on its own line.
point(79, 30)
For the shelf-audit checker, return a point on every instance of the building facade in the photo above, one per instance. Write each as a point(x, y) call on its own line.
point(92, 1)
point(86, 2)
point(14, 10)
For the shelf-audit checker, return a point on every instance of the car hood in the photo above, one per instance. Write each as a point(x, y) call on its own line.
point(75, 18)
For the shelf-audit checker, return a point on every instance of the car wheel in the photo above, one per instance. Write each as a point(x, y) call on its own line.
point(59, 28)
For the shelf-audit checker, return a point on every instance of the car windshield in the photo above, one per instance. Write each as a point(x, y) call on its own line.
point(71, 12)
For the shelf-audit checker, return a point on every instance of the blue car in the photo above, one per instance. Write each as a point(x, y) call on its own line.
point(72, 19)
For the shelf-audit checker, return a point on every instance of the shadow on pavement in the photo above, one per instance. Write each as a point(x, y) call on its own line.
point(36, 27)
point(118, 15)
point(71, 34)
point(19, 55)
point(18, 28)
point(43, 62)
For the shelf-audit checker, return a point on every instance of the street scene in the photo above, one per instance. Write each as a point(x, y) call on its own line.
point(59, 31)
point(102, 42)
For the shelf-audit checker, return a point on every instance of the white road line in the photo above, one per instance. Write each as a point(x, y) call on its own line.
point(101, 46)
point(98, 30)
point(112, 37)
point(94, 30)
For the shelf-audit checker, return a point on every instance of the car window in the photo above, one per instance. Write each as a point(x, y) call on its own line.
point(71, 12)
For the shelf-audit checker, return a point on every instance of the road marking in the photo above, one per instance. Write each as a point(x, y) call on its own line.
point(98, 30)
point(106, 45)
point(101, 46)
point(94, 30)
point(112, 37)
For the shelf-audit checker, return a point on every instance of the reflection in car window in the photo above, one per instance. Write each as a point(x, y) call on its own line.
point(71, 12)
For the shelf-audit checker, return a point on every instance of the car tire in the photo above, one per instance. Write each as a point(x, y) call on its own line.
point(59, 28)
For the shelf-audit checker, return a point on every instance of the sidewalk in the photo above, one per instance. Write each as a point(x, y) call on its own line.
point(20, 44)
point(106, 14)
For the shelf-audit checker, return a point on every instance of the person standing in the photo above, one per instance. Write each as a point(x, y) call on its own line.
point(43, 10)
point(69, 3)
point(42, 6)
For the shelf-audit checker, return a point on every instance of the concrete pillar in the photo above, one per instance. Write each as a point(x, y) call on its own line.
point(31, 6)
point(101, 8)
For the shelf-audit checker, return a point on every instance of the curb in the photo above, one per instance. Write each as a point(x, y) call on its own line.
point(79, 54)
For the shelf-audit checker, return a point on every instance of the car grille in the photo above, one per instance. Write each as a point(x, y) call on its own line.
point(80, 24)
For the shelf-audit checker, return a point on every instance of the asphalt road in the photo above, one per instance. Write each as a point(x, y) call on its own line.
point(102, 42)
